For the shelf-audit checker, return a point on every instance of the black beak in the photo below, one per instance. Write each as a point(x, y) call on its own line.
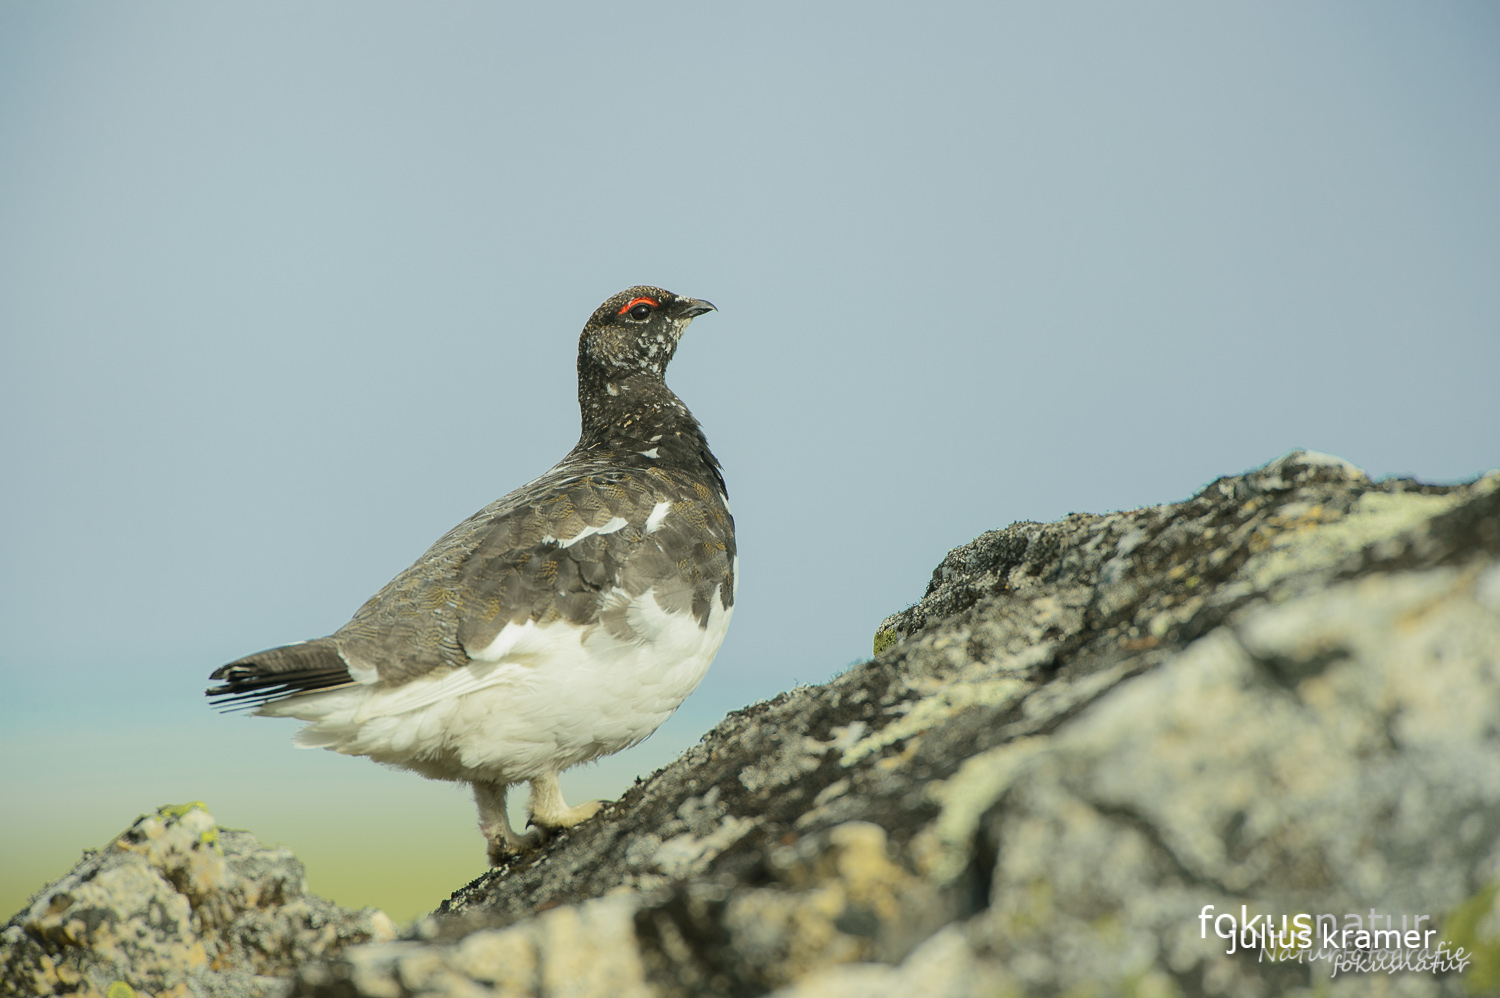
point(694, 307)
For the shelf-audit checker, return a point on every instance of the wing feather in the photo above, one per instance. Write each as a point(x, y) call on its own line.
point(553, 550)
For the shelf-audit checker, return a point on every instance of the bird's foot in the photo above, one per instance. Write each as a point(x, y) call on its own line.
point(566, 817)
point(507, 846)
point(549, 811)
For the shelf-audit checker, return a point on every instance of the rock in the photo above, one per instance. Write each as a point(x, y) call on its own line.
point(177, 906)
point(1281, 693)
point(1090, 744)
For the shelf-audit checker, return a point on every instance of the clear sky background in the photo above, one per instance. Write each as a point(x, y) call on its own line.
point(287, 290)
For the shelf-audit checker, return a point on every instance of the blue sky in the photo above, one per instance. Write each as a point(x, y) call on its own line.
point(287, 291)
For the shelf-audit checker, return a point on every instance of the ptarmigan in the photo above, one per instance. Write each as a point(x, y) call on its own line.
point(559, 624)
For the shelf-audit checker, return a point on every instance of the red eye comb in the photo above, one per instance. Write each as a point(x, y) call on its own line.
point(632, 303)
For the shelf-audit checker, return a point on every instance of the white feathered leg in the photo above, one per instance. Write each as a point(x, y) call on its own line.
point(494, 824)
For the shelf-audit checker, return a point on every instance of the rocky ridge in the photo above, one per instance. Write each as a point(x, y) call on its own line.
point(1278, 697)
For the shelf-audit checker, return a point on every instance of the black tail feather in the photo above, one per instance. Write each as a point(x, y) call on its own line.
point(278, 673)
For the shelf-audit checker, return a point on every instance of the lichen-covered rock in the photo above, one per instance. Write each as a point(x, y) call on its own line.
point(1088, 744)
point(584, 951)
point(1279, 694)
point(1332, 754)
point(176, 906)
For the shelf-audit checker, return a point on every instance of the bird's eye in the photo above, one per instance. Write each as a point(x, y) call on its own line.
point(638, 308)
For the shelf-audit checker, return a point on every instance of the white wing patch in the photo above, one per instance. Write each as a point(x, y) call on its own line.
point(363, 672)
point(615, 523)
point(658, 514)
point(519, 642)
point(648, 453)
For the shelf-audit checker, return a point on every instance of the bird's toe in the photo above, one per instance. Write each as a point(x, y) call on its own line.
point(566, 817)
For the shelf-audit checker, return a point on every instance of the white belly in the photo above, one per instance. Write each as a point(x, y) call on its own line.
point(537, 700)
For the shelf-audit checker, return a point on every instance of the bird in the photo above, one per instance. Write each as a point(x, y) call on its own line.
point(561, 623)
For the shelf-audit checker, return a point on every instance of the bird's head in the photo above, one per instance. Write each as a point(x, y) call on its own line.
point(636, 331)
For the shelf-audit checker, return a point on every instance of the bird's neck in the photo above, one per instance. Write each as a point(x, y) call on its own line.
point(637, 414)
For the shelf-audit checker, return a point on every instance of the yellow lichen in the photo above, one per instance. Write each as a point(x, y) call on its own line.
point(1473, 926)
